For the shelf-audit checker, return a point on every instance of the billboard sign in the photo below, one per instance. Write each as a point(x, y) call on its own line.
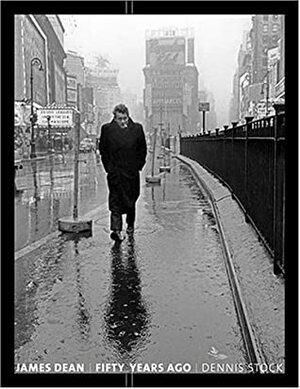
point(71, 96)
point(71, 82)
point(203, 106)
point(62, 117)
point(176, 101)
point(166, 51)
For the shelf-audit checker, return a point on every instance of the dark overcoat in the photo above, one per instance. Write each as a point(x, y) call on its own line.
point(123, 154)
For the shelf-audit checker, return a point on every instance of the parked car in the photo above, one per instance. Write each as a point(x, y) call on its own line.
point(86, 145)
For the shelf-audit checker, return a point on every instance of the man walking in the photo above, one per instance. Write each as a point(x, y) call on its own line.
point(123, 153)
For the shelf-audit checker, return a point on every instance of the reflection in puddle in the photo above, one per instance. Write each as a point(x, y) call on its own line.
point(126, 316)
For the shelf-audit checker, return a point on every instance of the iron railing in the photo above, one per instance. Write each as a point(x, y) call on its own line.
point(250, 160)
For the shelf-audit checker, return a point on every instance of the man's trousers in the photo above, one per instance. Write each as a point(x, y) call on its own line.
point(116, 219)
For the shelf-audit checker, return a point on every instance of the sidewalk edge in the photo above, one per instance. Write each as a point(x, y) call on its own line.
point(250, 338)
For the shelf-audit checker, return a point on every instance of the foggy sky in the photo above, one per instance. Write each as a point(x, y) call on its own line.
point(121, 39)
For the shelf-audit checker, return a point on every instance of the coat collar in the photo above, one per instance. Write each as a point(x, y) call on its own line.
point(130, 122)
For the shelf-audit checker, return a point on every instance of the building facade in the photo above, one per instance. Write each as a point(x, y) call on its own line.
point(54, 31)
point(171, 81)
point(35, 37)
point(259, 78)
point(107, 92)
point(265, 34)
point(30, 42)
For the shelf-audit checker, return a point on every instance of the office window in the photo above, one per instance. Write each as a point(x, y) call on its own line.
point(265, 18)
point(265, 28)
point(275, 28)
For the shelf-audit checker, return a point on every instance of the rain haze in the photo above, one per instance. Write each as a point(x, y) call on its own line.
point(121, 40)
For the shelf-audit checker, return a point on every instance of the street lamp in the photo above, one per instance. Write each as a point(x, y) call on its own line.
point(34, 62)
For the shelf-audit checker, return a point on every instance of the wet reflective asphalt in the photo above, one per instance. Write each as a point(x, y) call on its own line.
point(160, 296)
point(46, 194)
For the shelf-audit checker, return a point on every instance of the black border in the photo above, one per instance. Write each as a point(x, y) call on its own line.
point(9, 9)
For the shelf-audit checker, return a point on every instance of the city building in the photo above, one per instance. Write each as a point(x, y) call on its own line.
point(244, 75)
point(88, 105)
point(38, 51)
point(265, 33)
point(54, 31)
point(30, 42)
point(171, 81)
point(234, 102)
point(74, 66)
point(280, 84)
point(36, 37)
point(259, 78)
point(107, 92)
point(136, 109)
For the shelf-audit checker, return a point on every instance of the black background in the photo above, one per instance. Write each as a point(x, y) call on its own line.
point(8, 10)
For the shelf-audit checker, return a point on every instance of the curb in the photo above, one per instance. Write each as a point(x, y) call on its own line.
point(248, 336)
point(249, 266)
point(35, 245)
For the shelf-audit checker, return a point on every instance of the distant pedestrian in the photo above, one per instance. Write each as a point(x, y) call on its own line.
point(123, 152)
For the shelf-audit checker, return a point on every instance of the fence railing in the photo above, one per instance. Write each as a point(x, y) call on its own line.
point(250, 160)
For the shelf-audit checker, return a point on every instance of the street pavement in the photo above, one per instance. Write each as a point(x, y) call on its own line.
point(46, 194)
point(159, 296)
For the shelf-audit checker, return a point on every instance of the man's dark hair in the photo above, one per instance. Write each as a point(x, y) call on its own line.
point(121, 108)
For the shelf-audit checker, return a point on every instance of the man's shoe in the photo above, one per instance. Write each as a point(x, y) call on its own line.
point(130, 230)
point(116, 235)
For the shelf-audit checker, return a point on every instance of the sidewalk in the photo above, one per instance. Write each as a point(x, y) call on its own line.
point(263, 292)
point(162, 297)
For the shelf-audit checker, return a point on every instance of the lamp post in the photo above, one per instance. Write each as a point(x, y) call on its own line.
point(34, 62)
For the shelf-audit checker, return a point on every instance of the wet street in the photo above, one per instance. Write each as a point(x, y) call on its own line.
point(46, 194)
point(161, 296)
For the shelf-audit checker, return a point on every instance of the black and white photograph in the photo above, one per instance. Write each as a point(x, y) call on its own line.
point(150, 195)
